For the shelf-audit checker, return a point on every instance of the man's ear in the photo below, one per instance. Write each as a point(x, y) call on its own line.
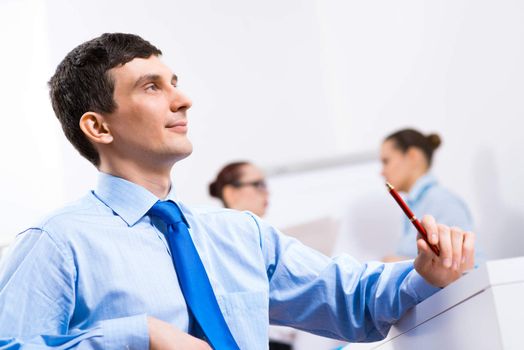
point(95, 128)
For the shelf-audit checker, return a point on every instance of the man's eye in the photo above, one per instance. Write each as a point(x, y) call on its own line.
point(151, 87)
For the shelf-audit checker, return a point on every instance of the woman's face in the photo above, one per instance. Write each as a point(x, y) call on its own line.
point(396, 166)
point(250, 192)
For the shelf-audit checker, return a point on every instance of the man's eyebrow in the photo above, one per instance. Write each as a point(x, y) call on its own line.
point(152, 77)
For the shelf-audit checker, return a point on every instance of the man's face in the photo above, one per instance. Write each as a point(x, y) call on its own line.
point(149, 126)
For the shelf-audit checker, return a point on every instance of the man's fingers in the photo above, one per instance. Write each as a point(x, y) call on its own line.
point(431, 227)
point(468, 251)
point(456, 253)
point(457, 238)
point(446, 250)
point(425, 255)
point(422, 246)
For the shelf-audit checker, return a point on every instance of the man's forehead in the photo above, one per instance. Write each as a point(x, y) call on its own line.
point(133, 70)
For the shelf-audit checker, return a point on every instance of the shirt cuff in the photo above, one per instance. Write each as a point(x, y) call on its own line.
point(129, 333)
point(421, 289)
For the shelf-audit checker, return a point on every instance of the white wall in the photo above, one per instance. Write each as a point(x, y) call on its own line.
point(31, 167)
point(283, 81)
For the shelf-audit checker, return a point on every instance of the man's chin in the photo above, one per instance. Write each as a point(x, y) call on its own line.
point(184, 153)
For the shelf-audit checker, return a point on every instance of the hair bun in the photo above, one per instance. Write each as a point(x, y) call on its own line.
point(213, 191)
point(434, 140)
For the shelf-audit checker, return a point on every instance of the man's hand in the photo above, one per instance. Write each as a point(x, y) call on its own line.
point(456, 253)
point(163, 336)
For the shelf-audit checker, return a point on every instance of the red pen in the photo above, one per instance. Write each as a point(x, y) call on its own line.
point(412, 217)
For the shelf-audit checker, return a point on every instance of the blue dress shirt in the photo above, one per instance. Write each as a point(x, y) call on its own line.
point(428, 197)
point(88, 275)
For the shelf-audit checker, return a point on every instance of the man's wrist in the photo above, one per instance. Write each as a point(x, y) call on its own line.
point(421, 288)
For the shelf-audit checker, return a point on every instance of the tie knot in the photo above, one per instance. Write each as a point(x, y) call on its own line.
point(167, 211)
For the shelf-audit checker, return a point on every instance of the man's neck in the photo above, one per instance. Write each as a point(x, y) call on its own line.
point(155, 180)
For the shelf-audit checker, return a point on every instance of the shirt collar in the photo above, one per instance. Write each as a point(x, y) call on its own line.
point(420, 187)
point(127, 199)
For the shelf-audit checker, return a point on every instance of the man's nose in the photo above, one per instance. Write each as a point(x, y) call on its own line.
point(180, 100)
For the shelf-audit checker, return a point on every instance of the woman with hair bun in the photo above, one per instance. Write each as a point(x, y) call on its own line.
point(406, 161)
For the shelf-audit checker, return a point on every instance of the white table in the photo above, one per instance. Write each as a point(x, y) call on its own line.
point(482, 310)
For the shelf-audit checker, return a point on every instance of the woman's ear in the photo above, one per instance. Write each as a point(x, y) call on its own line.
point(416, 156)
point(95, 128)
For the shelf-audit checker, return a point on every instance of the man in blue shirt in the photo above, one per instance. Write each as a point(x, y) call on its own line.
point(98, 274)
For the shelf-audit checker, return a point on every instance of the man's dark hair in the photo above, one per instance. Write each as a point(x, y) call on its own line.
point(82, 82)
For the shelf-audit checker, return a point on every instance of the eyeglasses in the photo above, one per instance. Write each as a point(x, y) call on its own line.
point(260, 185)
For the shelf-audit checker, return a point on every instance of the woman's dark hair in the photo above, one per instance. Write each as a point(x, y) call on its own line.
point(407, 138)
point(230, 174)
point(82, 82)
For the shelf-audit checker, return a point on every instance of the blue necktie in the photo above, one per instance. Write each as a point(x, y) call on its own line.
point(192, 277)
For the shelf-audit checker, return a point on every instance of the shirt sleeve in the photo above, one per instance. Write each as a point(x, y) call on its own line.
point(37, 299)
point(338, 298)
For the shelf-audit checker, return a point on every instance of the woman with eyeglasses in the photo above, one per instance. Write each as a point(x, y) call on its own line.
point(242, 186)
point(406, 161)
